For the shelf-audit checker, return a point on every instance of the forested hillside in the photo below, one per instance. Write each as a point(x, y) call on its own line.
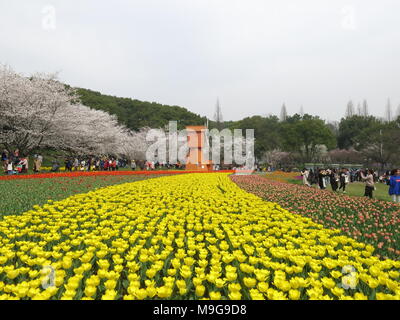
point(137, 114)
point(356, 138)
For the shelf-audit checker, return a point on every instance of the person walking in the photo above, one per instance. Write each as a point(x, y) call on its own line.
point(68, 165)
point(83, 165)
point(133, 165)
point(4, 159)
point(24, 163)
point(305, 173)
point(97, 167)
point(16, 156)
point(34, 162)
point(76, 164)
point(89, 164)
point(368, 177)
point(321, 179)
point(55, 166)
point(327, 176)
point(342, 180)
point(311, 177)
point(386, 177)
point(394, 185)
point(10, 168)
point(334, 178)
point(348, 176)
point(39, 162)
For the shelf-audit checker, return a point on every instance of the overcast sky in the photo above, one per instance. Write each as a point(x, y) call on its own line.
point(252, 54)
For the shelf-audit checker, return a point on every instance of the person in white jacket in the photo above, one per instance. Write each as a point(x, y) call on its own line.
point(368, 177)
point(10, 168)
point(305, 173)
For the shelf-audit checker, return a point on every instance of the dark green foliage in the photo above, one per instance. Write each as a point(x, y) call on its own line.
point(351, 128)
point(303, 134)
point(297, 134)
point(137, 114)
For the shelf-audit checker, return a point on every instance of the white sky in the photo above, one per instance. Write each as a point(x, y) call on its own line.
point(252, 54)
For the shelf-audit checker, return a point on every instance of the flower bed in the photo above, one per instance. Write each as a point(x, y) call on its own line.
point(20, 195)
point(96, 173)
point(282, 176)
point(183, 237)
point(371, 221)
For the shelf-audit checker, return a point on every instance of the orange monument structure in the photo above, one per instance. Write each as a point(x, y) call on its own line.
point(196, 141)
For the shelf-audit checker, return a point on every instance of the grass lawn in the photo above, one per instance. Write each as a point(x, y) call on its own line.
point(18, 196)
point(352, 189)
point(357, 189)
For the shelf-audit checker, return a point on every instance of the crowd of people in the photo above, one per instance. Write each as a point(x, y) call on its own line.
point(90, 164)
point(338, 179)
point(14, 162)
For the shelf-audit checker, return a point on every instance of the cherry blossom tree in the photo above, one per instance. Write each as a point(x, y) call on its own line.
point(87, 131)
point(133, 145)
point(28, 108)
point(41, 112)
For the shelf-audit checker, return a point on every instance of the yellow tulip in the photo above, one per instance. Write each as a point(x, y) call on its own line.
point(200, 289)
point(90, 291)
point(231, 276)
point(215, 295)
point(164, 292)
point(328, 283)
point(249, 282)
point(294, 294)
point(141, 294)
point(235, 295)
point(360, 296)
point(150, 273)
point(110, 284)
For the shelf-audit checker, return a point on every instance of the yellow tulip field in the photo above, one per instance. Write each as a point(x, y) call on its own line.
point(190, 236)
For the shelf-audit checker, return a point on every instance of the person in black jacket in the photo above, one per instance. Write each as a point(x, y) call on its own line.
point(342, 180)
point(311, 178)
point(4, 160)
point(321, 175)
point(334, 180)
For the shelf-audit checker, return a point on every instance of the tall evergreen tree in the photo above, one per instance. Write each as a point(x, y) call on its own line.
point(365, 109)
point(301, 111)
point(398, 111)
point(388, 112)
point(218, 116)
point(283, 115)
point(359, 111)
point(350, 109)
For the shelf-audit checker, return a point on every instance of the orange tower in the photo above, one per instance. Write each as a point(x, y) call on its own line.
point(196, 139)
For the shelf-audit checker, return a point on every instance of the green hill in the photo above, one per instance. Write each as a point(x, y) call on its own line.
point(137, 114)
